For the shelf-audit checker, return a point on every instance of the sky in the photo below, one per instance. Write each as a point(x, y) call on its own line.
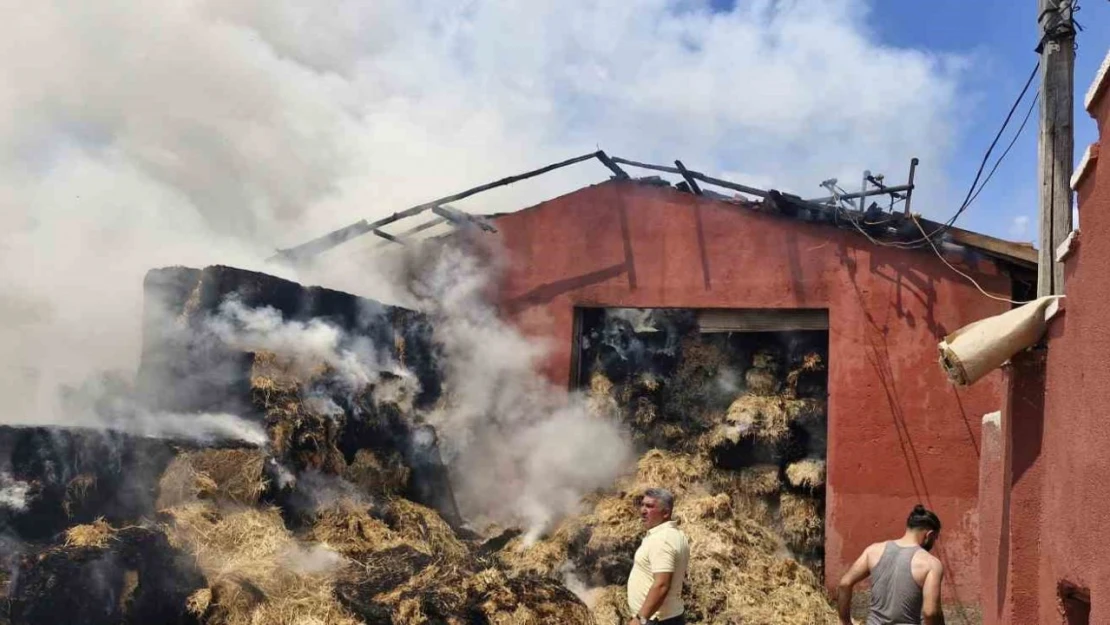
point(998, 37)
point(199, 132)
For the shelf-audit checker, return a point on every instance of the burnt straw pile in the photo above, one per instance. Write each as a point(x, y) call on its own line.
point(736, 427)
point(272, 463)
point(310, 491)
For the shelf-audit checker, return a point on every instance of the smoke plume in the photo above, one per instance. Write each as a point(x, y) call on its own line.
point(199, 132)
point(521, 451)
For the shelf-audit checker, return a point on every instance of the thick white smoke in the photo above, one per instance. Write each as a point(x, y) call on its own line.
point(137, 135)
point(521, 450)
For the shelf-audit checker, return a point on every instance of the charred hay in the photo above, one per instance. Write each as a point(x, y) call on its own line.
point(739, 571)
point(104, 575)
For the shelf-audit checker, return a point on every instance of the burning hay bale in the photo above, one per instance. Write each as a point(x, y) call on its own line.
point(104, 576)
point(388, 477)
point(769, 417)
point(761, 381)
point(525, 599)
point(802, 524)
point(807, 474)
point(256, 571)
point(423, 526)
point(351, 530)
point(78, 493)
point(760, 480)
point(738, 573)
point(226, 475)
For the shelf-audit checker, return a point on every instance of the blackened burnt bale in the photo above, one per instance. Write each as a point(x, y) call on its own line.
point(130, 576)
point(182, 369)
point(316, 421)
point(67, 476)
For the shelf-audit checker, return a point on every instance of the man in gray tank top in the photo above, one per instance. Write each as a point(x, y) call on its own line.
point(905, 577)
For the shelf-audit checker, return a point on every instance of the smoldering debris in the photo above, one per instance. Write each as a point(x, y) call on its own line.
point(750, 403)
point(314, 523)
point(737, 571)
point(408, 475)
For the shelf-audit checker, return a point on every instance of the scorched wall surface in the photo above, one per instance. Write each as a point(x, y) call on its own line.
point(899, 433)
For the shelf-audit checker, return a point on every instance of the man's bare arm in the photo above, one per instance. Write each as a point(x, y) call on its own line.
point(657, 594)
point(859, 571)
point(931, 609)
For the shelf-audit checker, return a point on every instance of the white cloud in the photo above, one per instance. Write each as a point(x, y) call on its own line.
point(1019, 228)
point(196, 131)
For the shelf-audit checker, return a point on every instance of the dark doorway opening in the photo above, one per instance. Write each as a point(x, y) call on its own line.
point(746, 388)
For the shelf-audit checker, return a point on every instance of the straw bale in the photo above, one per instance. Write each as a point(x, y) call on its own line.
point(600, 385)
point(769, 417)
point(422, 526)
point(600, 400)
point(811, 362)
point(761, 381)
point(249, 560)
point(95, 534)
point(808, 473)
point(765, 359)
point(225, 475)
point(77, 492)
point(760, 480)
point(377, 476)
point(645, 413)
point(802, 526)
point(352, 531)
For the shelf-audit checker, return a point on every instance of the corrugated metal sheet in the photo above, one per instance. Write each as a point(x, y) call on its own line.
point(763, 319)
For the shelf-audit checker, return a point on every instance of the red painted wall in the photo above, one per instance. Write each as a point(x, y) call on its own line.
point(899, 433)
point(1056, 500)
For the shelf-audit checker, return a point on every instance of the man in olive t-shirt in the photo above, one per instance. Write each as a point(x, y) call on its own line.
point(659, 568)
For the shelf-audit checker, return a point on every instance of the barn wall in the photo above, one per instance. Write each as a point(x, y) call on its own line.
point(899, 433)
point(1058, 494)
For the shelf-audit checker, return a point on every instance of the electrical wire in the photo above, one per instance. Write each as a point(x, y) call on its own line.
point(1025, 121)
point(953, 268)
point(975, 189)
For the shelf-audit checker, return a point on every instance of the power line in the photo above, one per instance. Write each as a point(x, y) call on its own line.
point(974, 190)
point(997, 137)
point(953, 267)
point(1028, 114)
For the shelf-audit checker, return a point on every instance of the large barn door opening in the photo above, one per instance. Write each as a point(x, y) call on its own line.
point(745, 389)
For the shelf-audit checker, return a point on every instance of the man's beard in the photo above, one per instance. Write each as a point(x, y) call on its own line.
point(928, 544)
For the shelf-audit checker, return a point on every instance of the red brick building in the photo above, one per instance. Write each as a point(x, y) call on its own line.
point(1044, 497)
point(898, 432)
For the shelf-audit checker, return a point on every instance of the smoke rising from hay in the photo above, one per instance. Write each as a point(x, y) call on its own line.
point(521, 450)
point(13, 493)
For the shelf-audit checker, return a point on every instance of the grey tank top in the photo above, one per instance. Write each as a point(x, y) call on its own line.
point(895, 597)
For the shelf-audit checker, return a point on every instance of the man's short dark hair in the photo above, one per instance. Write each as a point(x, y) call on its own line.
point(922, 519)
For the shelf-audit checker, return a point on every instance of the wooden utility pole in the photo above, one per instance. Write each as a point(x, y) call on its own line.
point(1056, 143)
